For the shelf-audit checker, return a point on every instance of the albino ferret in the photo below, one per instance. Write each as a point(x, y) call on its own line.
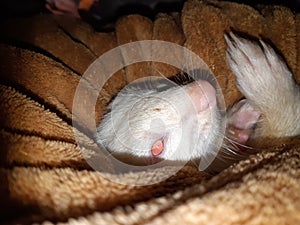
point(183, 123)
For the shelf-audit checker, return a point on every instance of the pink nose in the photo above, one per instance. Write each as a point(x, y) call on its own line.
point(202, 94)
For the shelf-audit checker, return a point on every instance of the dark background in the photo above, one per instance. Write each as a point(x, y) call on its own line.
point(106, 11)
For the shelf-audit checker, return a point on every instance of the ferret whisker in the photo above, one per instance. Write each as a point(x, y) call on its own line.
point(229, 156)
point(230, 144)
point(160, 73)
point(231, 152)
point(235, 143)
point(231, 149)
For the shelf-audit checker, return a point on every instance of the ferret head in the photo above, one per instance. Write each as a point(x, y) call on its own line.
point(158, 121)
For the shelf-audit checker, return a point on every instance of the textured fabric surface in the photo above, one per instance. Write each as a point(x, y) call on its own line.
point(44, 175)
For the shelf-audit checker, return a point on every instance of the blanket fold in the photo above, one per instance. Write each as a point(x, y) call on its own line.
point(45, 175)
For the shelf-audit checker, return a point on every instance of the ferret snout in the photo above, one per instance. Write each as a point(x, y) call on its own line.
point(202, 94)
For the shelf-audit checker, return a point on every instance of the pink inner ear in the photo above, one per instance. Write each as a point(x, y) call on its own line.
point(157, 147)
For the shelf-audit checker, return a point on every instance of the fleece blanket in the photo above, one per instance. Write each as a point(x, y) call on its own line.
point(45, 177)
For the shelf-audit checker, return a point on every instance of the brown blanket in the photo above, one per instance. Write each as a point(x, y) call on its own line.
point(44, 176)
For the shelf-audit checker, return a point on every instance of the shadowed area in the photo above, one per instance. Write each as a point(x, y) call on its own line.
point(43, 173)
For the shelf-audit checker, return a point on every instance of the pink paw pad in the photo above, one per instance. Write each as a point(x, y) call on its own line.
point(242, 118)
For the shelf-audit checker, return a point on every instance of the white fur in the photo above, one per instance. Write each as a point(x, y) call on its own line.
point(265, 80)
point(139, 117)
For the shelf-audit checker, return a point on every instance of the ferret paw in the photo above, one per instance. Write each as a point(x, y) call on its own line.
point(241, 121)
point(258, 69)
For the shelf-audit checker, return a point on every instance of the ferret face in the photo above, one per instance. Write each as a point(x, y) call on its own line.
point(147, 124)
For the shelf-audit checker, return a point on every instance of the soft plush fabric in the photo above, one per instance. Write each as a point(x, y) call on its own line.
point(44, 176)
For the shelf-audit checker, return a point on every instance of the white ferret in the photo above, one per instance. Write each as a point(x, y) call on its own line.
point(185, 123)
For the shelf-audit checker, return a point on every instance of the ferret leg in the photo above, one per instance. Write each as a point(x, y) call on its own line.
point(265, 80)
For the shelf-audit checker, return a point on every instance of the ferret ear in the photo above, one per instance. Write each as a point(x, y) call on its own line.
point(241, 121)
